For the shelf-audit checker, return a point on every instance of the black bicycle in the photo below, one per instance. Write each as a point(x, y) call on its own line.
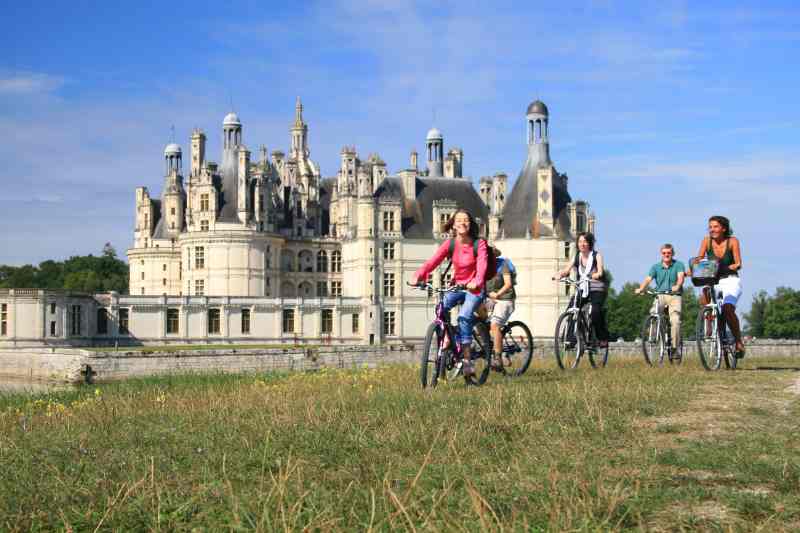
point(575, 333)
point(517, 350)
point(656, 335)
point(441, 356)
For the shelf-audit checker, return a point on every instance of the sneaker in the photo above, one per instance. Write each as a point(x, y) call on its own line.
point(467, 369)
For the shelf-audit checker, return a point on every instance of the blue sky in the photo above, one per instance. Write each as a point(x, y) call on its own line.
point(662, 113)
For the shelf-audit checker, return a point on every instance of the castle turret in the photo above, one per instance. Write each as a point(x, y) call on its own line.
point(299, 133)
point(173, 195)
point(198, 151)
point(231, 140)
point(243, 193)
point(434, 145)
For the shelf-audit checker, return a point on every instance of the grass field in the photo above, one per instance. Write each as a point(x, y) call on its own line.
point(627, 447)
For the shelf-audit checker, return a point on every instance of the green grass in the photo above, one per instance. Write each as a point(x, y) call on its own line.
point(190, 347)
point(627, 447)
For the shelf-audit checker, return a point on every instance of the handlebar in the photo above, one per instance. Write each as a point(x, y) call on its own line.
point(651, 292)
point(428, 285)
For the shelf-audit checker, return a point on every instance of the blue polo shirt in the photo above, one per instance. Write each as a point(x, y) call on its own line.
point(666, 277)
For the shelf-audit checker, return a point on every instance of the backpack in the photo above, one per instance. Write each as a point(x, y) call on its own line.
point(491, 259)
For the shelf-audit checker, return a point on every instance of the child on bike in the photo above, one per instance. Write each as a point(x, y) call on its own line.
point(468, 270)
point(500, 301)
point(588, 264)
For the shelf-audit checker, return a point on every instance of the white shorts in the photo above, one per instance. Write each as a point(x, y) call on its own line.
point(731, 289)
point(501, 311)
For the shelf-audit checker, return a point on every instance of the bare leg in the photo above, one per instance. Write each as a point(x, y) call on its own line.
point(733, 322)
point(497, 339)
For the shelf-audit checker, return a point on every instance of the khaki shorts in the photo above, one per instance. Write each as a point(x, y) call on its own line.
point(501, 311)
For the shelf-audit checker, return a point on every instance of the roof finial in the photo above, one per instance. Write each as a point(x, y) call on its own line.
point(298, 112)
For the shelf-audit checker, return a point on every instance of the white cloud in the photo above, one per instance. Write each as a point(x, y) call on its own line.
point(29, 83)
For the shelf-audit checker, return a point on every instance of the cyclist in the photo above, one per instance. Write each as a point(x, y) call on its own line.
point(500, 301)
point(588, 264)
point(668, 275)
point(720, 244)
point(468, 270)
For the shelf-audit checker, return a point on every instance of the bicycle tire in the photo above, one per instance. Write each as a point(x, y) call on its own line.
point(568, 356)
point(730, 358)
point(429, 358)
point(649, 332)
point(709, 347)
point(480, 354)
point(517, 346)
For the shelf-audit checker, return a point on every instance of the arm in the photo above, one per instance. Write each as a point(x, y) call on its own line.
point(599, 273)
point(506, 285)
point(425, 270)
point(480, 270)
point(563, 273)
point(702, 251)
point(737, 255)
point(644, 284)
point(679, 282)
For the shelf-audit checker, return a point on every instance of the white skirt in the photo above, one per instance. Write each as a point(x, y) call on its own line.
point(731, 289)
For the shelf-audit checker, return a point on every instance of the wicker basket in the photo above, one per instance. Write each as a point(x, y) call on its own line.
point(704, 271)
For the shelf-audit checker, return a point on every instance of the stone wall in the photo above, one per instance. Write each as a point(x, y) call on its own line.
point(69, 365)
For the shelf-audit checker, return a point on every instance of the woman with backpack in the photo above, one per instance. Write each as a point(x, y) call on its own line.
point(588, 264)
point(469, 256)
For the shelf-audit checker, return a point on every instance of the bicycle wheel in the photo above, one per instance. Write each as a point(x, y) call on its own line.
point(709, 345)
point(650, 339)
point(517, 347)
point(480, 354)
point(730, 356)
point(428, 363)
point(568, 341)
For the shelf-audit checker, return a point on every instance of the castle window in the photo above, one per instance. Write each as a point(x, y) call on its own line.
point(142, 276)
point(173, 321)
point(164, 282)
point(388, 284)
point(322, 289)
point(142, 291)
point(204, 225)
point(336, 289)
point(443, 218)
point(124, 318)
point(52, 308)
point(566, 251)
point(172, 211)
point(52, 328)
point(388, 322)
point(327, 321)
point(355, 322)
point(245, 321)
point(164, 268)
point(102, 321)
point(4, 320)
point(213, 321)
point(199, 287)
point(388, 251)
point(199, 257)
point(322, 261)
point(74, 320)
point(388, 221)
point(336, 261)
point(580, 222)
point(288, 320)
point(204, 202)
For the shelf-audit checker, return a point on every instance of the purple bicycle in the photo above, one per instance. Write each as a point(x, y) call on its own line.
point(441, 356)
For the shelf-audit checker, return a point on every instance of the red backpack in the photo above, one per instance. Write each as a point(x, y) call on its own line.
point(491, 259)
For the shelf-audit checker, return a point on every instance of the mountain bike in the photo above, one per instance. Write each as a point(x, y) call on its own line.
point(657, 337)
point(714, 343)
point(441, 356)
point(575, 333)
point(517, 348)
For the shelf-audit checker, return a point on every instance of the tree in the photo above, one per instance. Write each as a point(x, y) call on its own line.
point(626, 312)
point(690, 308)
point(755, 318)
point(782, 315)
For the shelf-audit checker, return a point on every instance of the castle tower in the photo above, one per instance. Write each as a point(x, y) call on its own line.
point(299, 133)
point(243, 193)
point(538, 132)
point(198, 151)
point(231, 140)
point(173, 196)
point(434, 145)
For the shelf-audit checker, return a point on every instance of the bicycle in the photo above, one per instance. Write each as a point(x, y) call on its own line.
point(442, 356)
point(714, 343)
point(656, 333)
point(517, 347)
point(575, 333)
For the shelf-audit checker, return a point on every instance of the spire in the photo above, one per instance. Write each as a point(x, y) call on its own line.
point(298, 113)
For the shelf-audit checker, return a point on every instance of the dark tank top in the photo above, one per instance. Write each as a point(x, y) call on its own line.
point(725, 261)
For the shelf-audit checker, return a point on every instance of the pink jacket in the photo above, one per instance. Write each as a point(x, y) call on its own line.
point(466, 267)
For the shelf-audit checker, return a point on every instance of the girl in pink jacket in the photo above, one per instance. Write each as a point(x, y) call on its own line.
point(468, 270)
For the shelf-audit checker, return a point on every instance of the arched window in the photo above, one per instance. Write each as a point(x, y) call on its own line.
point(306, 261)
point(322, 261)
point(306, 290)
point(288, 290)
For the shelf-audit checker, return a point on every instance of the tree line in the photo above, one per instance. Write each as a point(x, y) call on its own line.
point(86, 273)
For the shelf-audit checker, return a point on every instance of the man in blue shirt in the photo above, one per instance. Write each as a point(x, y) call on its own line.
point(668, 275)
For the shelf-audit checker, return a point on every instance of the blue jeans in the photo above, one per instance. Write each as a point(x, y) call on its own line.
point(466, 317)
